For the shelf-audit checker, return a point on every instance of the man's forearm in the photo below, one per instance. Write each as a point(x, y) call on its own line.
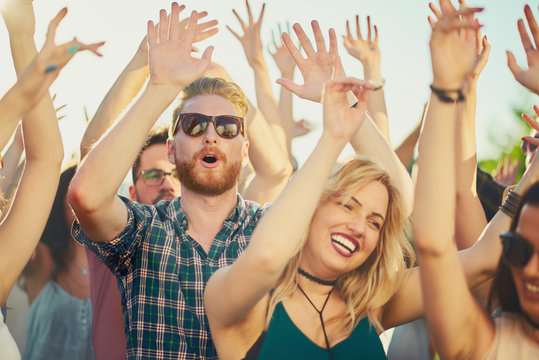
point(108, 162)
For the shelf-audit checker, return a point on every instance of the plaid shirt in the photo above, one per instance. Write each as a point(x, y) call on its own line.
point(162, 273)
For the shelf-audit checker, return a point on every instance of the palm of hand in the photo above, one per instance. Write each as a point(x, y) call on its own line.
point(530, 78)
point(284, 61)
point(364, 51)
point(170, 63)
point(252, 45)
point(340, 120)
point(316, 72)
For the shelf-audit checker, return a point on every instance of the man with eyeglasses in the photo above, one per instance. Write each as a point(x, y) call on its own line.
point(163, 254)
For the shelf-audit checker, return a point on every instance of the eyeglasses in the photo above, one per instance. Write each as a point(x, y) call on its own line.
point(528, 148)
point(517, 251)
point(155, 177)
point(195, 124)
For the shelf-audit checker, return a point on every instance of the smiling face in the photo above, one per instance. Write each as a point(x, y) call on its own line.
point(208, 164)
point(343, 234)
point(527, 278)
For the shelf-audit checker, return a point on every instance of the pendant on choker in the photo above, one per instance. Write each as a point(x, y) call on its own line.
point(317, 279)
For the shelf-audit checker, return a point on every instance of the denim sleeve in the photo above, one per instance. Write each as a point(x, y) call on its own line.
point(120, 254)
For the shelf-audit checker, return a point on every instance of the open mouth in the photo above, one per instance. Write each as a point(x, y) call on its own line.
point(532, 288)
point(344, 244)
point(210, 159)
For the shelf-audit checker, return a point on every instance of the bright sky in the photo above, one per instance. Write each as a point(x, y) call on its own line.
point(404, 34)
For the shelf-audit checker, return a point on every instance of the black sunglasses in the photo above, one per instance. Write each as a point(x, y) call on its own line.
point(195, 124)
point(155, 177)
point(517, 251)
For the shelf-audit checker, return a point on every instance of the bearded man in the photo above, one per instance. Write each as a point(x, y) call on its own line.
point(163, 254)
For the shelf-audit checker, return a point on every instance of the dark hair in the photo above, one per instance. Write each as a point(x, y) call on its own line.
point(503, 289)
point(57, 232)
point(157, 136)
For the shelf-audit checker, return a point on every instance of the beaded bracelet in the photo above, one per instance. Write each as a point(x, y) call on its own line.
point(511, 204)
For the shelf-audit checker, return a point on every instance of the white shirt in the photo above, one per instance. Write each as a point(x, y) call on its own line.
point(8, 347)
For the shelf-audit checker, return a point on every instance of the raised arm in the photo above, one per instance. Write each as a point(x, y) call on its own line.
point(470, 217)
point(367, 51)
point(129, 84)
point(233, 291)
point(317, 68)
point(92, 194)
point(286, 66)
point(44, 154)
point(528, 78)
point(462, 330)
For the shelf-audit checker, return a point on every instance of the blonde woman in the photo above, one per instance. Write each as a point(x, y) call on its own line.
point(325, 271)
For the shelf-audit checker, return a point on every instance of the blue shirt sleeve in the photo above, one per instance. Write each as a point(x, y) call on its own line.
point(119, 254)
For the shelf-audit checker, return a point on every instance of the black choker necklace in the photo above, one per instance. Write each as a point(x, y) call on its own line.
point(317, 279)
point(530, 321)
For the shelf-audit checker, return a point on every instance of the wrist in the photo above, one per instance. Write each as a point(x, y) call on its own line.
point(288, 74)
point(372, 72)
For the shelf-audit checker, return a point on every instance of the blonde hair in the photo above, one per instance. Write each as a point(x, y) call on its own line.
point(212, 86)
point(367, 288)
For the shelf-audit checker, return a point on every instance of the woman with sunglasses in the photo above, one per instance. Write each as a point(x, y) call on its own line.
point(460, 327)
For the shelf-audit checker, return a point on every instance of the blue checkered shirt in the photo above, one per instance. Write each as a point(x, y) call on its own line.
point(162, 273)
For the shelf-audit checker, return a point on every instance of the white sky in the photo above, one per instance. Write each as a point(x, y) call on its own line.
point(404, 34)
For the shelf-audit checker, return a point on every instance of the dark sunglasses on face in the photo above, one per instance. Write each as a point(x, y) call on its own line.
point(195, 124)
point(155, 177)
point(517, 251)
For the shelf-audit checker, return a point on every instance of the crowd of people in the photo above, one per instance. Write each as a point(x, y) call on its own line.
point(225, 249)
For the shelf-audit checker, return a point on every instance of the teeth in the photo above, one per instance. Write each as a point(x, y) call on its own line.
point(344, 242)
point(532, 288)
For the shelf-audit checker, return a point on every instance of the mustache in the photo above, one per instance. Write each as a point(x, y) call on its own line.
point(210, 149)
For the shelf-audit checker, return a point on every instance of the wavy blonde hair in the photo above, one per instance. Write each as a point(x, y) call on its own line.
point(369, 287)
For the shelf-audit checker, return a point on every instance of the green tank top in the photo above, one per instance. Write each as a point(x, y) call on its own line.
point(283, 340)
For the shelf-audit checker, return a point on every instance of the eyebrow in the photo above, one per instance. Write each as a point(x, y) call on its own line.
point(374, 213)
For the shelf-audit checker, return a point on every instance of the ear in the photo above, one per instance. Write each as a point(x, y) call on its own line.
point(170, 151)
point(132, 193)
point(245, 153)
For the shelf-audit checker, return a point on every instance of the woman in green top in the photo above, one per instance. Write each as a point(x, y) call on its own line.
point(326, 269)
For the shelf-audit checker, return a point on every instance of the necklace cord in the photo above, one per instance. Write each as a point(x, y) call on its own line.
point(321, 318)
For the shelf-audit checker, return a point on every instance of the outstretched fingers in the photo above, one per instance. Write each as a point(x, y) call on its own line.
point(319, 38)
point(534, 28)
point(294, 52)
point(303, 40)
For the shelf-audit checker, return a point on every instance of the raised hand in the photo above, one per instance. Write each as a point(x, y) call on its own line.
point(340, 120)
point(506, 172)
point(528, 78)
point(282, 57)
point(365, 49)
point(482, 46)
point(319, 67)
point(170, 47)
point(36, 79)
point(252, 45)
point(534, 124)
point(453, 46)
